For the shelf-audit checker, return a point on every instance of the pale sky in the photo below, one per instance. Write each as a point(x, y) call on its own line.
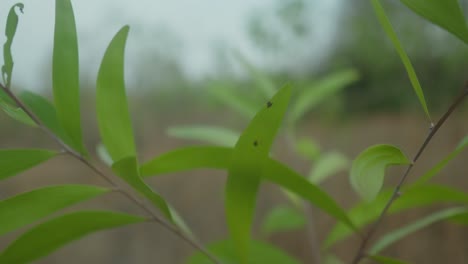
point(195, 25)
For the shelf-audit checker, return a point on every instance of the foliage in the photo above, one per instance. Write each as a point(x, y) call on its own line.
point(245, 156)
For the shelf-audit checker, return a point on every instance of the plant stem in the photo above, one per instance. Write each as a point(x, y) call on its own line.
point(68, 150)
point(396, 193)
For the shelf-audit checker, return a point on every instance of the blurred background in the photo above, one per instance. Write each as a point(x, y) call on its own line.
point(215, 63)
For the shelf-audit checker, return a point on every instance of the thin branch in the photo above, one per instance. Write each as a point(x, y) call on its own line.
point(396, 193)
point(68, 150)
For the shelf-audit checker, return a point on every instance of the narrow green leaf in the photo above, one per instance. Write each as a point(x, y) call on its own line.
point(307, 148)
point(227, 95)
point(17, 113)
point(283, 218)
point(260, 252)
point(320, 91)
point(188, 159)
point(10, 31)
point(65, 73)
point(14, 161)
point(127, 169)
point(28, 207)
point(400, 233)
point(386, 260)
point(413, 196)
point(46, 113)
point(210, 134)
point(111, 103)
point(440, 165)
point(446, 14)
point(262, 81)
point(368, 169)
point(53, 234)
point(244, 173)
point(328, 165)
point(387, 26)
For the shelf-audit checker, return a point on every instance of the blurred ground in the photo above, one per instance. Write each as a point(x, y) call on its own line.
point(198, 195)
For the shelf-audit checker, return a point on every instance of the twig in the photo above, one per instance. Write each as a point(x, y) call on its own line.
point(396, 193)
point(68, 150)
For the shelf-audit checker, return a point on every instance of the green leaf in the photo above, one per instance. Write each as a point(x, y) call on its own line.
point(17, 113)
point(260, 252)
point(127, 169)
point(53, 234)
point(446, 14)
point(307, 148)
point(413, 196)
point(111, 102)
point(332, 259)
point(400, 233)
point(386, 260)
point(262, 81)
point(188, 159)
point(244, 173)
point(283, 218)
point(387, 26)
point(46, 113)
point(439, 166)
point(14, 161)
point(65, 74)
point(313, 95)
point(328, 165)
point(28, 207)
point(227, 95)
point(10, 31)
point(210, 134)
point(368, 169)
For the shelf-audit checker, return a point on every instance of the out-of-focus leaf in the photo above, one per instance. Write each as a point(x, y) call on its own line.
point(413, 196)
point(17, 113)
point(65, 74)
point(128, 170)
point(103, 154)
point(111, 102)
point(263, 82)
point(332, 259)
point(179, 222)
point(439, 166)
point(387, 26)
point(319, 92)
point(245, 171)
point(386, 260)
point(460, 219)
point(10, 31)
point(328, 165)
point(46, 113)
point(237, 102)
point(28, 207)
point(368, 169)
point(283, 218)
point(400, 233)
point(446, 14)
point(308, 148)
point(260, 253)
point(53, 234)
point(13, 161)
point(188, 159)
point(210, 134)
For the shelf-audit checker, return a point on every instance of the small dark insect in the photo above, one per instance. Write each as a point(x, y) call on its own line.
point(255, 143)
point(269, 104)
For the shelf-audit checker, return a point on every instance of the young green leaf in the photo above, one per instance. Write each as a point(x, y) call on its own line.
point(28, 207)
point(413, 196)
point(262, 81)
point(61, 230)
point(283, 218)
point(14, 161)
point(439, 166)
point(210, 134)
point(327, 165)
point(188, 159)
point(400, 233)
point(17, 113)
point(368, 169)
point(387, 26)
point(319, 92)
point(307, 148)
point(128, 170)
point(244, 173)
point(237, 102)
point(446, 14)
point(260, 252)
point(386, 260)
point(111, 102)
point(65, 73)
point(10, 31)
